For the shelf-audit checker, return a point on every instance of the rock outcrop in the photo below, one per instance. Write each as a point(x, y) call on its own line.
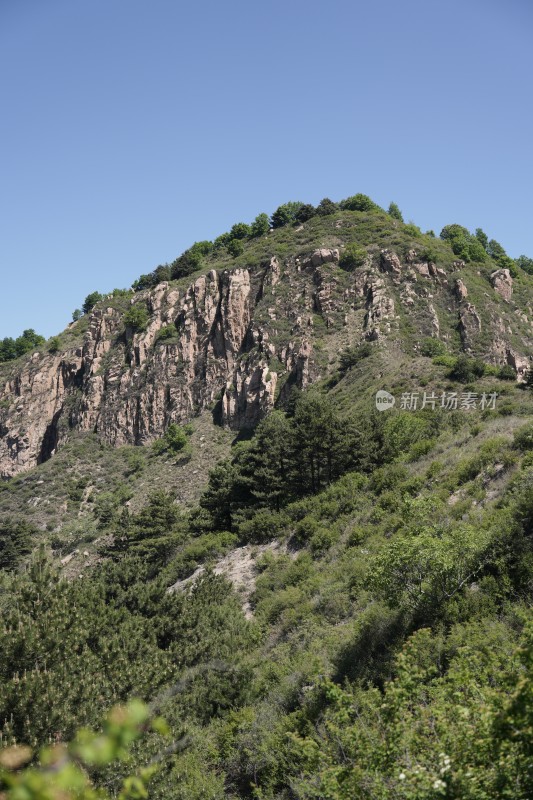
point(321, 256)
point(129, 386)
point(236, 342)
point(391, 263)
point(503, 283)
point(469, 325)
point(520, 364)
point(461, 292)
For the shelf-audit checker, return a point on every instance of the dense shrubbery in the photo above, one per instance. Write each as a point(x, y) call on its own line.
point(352, 256)
point(432, 347)
point(353, 355)
point(63, 770)
point(175, 440)
point(359, 202)
point(525, 263)
point(467, 369)
point(391, 650)
point(285, 214)
point(16, 540)
point(476, 247)
point(463, 243)
point(90, 301)
point(232, 242)
point(13, 348)
point(136, 318)
point(166, 332)
point(298, 455)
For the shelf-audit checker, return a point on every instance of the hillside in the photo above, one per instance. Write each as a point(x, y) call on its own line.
point(200, 492)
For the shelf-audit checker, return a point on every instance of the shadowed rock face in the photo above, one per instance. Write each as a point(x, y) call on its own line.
point(229, 326)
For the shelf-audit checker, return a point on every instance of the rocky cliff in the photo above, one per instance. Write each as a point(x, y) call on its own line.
point(236, 340)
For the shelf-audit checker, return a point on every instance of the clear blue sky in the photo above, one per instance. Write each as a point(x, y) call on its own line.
point(131, 128)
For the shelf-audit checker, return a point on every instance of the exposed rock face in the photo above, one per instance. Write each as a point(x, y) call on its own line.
point(321, 256)
point(273, 272)
point(391, 263)
point(248, 396)
point(324, 297)
point(146, 384)
point(241, 339)
point(29, 427)
point(461, 292)
point(469, 325)
point(435, 324)
point(380, 308)
point(503, 283)
point(520, 364)
point(422, 268)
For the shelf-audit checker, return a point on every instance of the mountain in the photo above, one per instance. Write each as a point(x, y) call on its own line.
point(246, 329)
point(282, 491)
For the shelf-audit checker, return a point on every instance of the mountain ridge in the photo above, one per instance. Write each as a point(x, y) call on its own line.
point(240, 331)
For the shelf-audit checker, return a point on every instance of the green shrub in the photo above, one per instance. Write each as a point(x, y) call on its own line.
point(359, 202)
point(444, 361)
point(490, 451)
point(306, 529)
point(191, 259)
point(352, 256)
point(429, 254)
point(326, 207)
point(467, 369)
point(221, 241)
point(54, 344)
point(264, 526)
point(420, 448)
point(412, 230)
point(235, 247)
point(463, 244)
point(13, 348)
point(166, 332)
point(388, 477)
point(240, 231)
point(136, 318)
point(90, 301)
point(286, 214)
point(395, 212)
point(322, 539)
point(432, 347)
point(353, 355)
point(260, 226)
point(525, 263)
point(175, 440)
point(305, 212)
point(523, 437)
point(507, 373)
point(15, 542)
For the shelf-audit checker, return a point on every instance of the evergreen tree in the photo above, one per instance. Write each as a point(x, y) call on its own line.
point(395, 212)
point(15, 542)
point(269, 461)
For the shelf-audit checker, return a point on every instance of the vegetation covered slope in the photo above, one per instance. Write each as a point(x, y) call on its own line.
point(389, 648)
